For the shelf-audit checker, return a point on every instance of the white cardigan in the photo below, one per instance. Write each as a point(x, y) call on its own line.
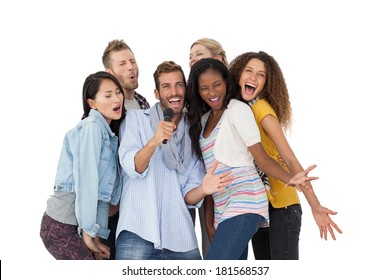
point(238, 131)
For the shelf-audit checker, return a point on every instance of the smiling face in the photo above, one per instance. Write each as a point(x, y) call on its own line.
point(171, 91)
point(252, 79)
point(212, 89)
point(108, 101)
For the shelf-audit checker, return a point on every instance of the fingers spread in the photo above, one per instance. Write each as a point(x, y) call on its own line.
point(213, 167)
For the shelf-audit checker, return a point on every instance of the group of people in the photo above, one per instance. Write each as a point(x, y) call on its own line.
point(129, 178)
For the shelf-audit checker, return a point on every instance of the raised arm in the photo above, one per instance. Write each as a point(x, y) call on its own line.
point(272, 168)
point(142, 158)
point(321, 214)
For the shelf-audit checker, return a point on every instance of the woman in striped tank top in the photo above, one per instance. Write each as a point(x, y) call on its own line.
point(223, 129)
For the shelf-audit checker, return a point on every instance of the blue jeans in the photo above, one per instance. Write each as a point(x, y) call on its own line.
point(284, 230)
point(129, 246)
point(232, 236)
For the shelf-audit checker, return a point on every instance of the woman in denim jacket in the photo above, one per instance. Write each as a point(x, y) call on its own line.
point(88, 178)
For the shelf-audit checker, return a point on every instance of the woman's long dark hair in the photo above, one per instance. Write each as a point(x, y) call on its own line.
point(90, 89)
point(196, 106)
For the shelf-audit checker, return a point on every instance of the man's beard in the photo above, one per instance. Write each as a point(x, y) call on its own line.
point(130, 85)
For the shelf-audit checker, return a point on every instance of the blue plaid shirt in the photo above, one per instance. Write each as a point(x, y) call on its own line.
point(152, 203)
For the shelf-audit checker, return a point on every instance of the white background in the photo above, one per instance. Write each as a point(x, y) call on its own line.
point(335, 58)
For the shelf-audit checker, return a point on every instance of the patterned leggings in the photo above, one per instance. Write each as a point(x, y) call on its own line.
point(63, 241)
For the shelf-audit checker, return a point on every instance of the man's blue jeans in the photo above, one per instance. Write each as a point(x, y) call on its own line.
point(232, 236)
point(129, 246)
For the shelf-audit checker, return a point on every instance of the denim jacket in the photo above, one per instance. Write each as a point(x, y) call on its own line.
point(88, 166)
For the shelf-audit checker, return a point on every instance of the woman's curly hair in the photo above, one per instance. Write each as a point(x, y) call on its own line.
point(275, 89)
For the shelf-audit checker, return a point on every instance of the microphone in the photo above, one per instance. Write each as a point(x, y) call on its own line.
point(168, 115)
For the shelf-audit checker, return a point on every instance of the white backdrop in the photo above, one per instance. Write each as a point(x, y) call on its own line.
point(335, 57)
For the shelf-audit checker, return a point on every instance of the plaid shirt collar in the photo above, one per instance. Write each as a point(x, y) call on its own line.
point(143, 103)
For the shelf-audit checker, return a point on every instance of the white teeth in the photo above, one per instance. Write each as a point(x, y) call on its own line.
point(214, 99)
point(250, 85)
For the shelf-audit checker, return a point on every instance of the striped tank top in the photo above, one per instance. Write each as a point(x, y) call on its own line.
point(246, 194)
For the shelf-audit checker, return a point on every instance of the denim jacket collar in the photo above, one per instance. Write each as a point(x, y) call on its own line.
point(102, 120)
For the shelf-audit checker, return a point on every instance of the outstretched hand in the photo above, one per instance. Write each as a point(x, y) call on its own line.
point(213, 183)
point(301, 178)
point(324, 222)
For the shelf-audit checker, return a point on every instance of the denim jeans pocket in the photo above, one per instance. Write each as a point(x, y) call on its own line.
point(295, 218)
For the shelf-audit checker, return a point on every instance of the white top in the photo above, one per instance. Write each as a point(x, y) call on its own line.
point(238, 131)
